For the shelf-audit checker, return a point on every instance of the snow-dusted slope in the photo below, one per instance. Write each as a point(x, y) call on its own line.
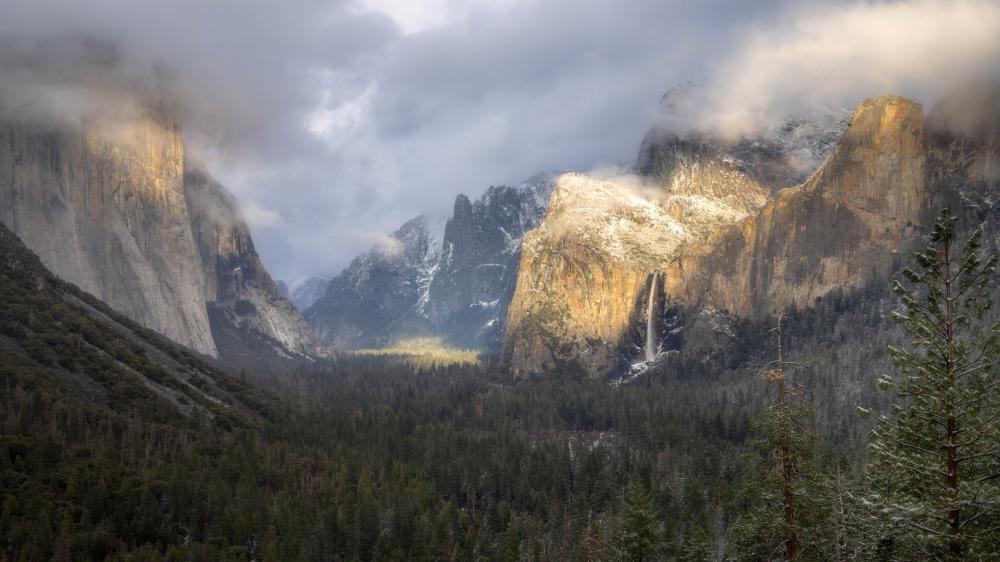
point(584, 270)
point(366, 304)
point(460, 292)
point(305, 291)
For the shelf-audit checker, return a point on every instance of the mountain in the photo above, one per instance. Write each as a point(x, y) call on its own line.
point(474, 281)
point(584, 270)
point(778, 157)
point(116, 208)
point(457, 288)
point(371, 301)
point(307, 290)
point(842, 227)
point(247, 314)
point(282, 288)
point(593, 293)
point(58, 339)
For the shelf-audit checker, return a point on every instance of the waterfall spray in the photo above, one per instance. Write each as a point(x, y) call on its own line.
point(651, 321)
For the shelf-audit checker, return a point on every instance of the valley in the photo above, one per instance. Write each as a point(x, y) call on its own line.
point(769, 330)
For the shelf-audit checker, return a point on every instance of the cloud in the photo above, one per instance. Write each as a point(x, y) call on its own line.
point(258, 218)
point(417, 16)
point(346, 116)
point(815, 58)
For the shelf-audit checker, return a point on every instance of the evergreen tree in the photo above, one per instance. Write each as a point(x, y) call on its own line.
point(640, 534)
point(933, 460)
point(786, 495)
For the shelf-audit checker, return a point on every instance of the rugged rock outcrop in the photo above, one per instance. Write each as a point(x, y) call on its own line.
point(847, 224)
point(840, 228)
point(457, 289)
point(241, 296)
point(104, 208)
point(113, 208)
point(373, 301)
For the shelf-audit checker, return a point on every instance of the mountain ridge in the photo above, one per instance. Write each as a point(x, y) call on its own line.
point(118, 209)
point(843, 226)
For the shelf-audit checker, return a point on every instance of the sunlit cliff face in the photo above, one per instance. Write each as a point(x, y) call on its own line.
point(720, 240)
point(583, 270)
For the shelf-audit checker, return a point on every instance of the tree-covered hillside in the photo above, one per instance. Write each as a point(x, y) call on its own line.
point(118, 446)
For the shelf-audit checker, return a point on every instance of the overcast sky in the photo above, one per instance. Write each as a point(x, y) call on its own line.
point(336, 121)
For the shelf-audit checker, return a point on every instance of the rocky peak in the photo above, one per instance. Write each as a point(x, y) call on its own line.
point(378, 289)
point(241, 295)
point(460, 295)
point(775, 157)
point(474, 282)
point(878, 165)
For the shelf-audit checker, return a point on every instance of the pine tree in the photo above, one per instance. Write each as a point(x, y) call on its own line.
point(933, 460)
point(640, 535)
point(788, 515)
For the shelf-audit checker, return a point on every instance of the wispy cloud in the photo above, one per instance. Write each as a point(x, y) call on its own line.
point(814, 58)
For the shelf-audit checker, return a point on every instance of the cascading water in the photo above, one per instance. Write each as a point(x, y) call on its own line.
point(651, 321)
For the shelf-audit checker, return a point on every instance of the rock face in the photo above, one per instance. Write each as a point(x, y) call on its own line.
point(373, 301)
point(240, 293)
point(586, 268)
point(740, 250)
point(305, 291)
point(840, 228)
point(105, 209)
point(475, 278)
point(113, 209)
point(457, 288)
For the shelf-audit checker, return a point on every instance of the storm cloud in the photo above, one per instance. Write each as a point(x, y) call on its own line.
point(335, 121)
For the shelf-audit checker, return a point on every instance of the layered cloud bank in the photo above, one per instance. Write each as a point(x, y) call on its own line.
point(347, 116)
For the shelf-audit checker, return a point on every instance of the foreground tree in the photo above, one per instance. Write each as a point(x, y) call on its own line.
point(933, 460)
point(787, 497)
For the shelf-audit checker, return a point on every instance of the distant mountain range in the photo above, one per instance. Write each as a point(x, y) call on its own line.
point(585, 272)
point(457, 288)
point(558, 273)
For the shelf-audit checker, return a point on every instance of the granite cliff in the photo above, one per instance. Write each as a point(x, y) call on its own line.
point(105, 208)
point(114, 207)
point(719, 231)
point(373, 300)
point(248, 316)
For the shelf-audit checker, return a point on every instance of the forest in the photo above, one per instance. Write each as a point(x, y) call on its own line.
point(861, 428)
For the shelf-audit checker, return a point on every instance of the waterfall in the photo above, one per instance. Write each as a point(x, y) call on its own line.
point(651, 321)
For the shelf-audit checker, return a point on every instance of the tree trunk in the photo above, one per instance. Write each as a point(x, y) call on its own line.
point(791, 539)
point(951, 429)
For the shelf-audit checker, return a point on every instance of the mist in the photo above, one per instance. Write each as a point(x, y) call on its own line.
point(817, 58)
point(335, 122)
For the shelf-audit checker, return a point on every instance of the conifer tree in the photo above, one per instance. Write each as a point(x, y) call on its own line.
point(640, 539)
point(933, 460)
point(787, 513)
